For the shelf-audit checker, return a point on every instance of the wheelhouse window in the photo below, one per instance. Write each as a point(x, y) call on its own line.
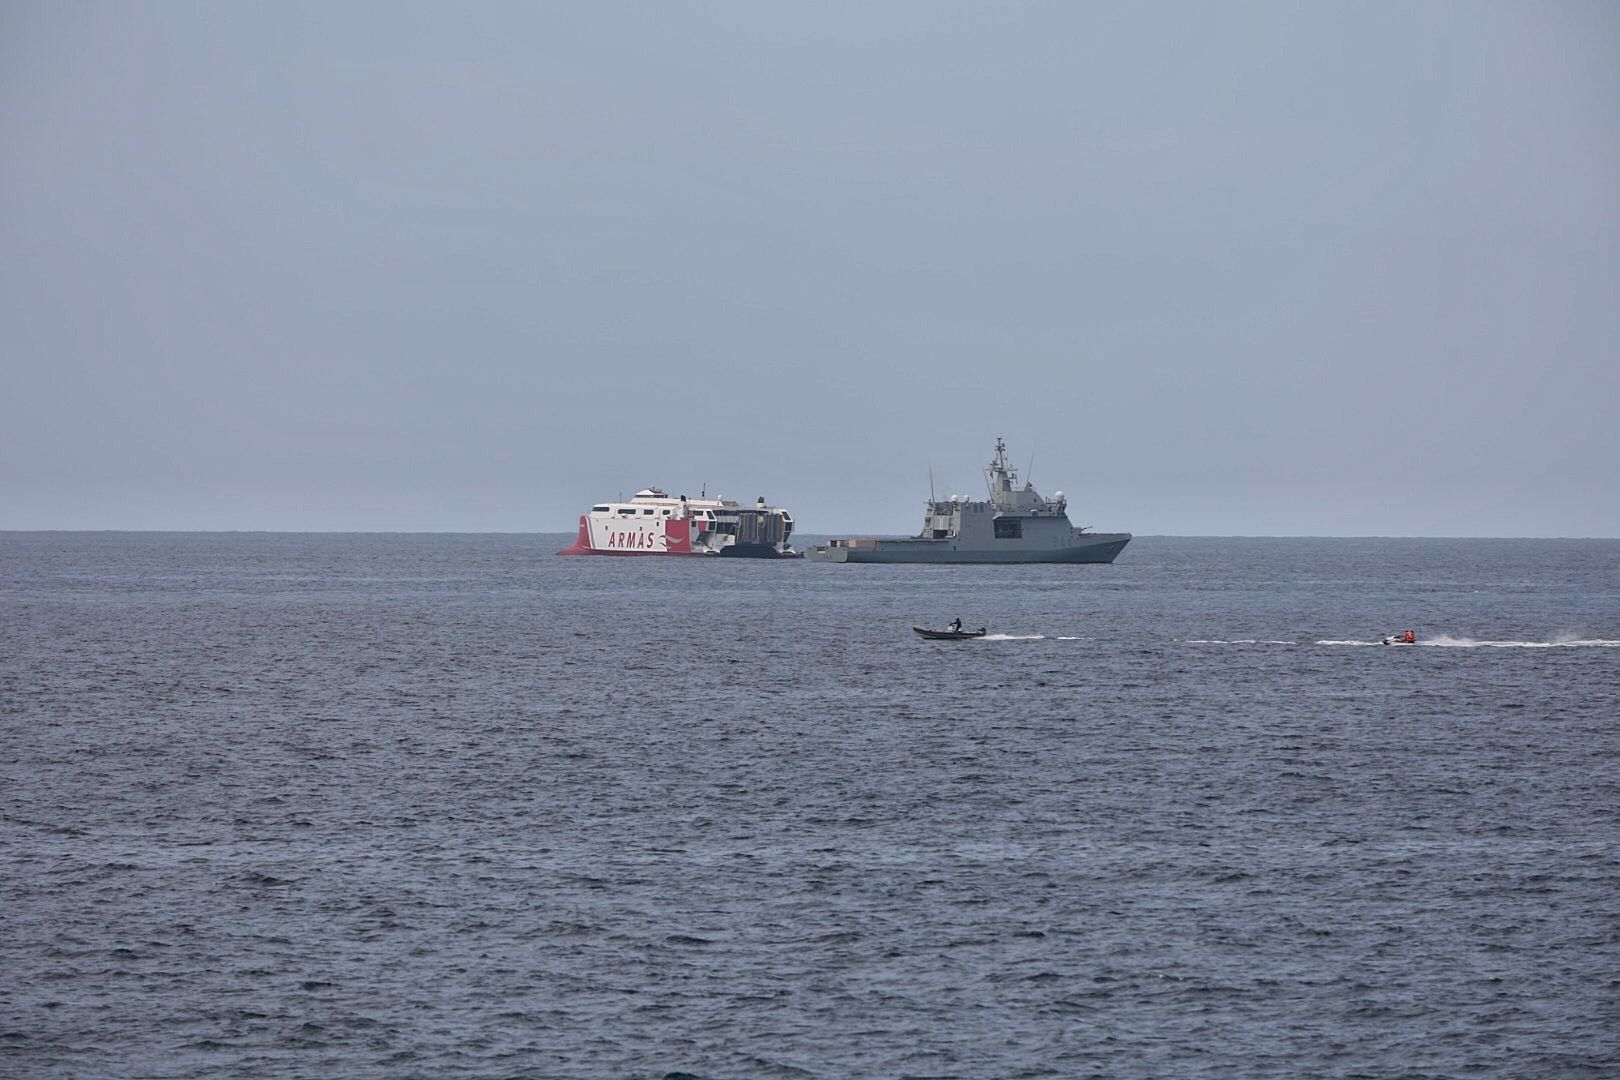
point(1009, 529)
point(601, 509)
point(648, 512)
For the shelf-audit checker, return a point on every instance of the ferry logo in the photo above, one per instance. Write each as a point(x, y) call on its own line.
point(638, 540)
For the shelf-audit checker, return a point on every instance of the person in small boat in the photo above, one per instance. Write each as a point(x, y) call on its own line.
point(1408, 637)
point(956, 625)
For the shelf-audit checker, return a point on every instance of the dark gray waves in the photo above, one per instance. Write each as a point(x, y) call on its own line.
point(318, 805)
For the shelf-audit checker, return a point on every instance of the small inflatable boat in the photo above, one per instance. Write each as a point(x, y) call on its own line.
point(949, 635)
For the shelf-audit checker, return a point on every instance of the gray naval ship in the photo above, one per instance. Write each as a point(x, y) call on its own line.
point(1015, 525)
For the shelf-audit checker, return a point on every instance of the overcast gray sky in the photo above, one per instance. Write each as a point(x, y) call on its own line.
point(1219, 268)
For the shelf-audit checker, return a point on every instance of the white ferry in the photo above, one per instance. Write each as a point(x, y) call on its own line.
point(654, 523)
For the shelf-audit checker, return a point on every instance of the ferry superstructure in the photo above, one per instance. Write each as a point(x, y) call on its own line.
point(655, 523)
point(1014, 525)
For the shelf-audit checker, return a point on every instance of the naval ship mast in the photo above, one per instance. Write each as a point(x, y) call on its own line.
point(1000, 477)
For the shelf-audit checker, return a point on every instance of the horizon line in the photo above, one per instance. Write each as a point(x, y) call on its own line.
point(568, 532)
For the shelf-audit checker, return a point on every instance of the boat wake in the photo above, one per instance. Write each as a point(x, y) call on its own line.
point(1570, 642)
point(1247, 641)
point(1445, 641)
point(1441, 641)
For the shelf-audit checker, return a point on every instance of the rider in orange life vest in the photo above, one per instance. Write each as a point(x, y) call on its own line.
point(1409, 637)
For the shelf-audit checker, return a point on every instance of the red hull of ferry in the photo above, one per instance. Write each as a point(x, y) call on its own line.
point(677, 537)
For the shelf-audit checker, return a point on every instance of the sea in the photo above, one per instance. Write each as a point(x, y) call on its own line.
point(427, 805)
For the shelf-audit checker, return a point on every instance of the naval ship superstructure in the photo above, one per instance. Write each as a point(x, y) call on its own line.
point(1014, 525)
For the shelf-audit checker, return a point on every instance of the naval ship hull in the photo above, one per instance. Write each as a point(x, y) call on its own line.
point(1091, 548)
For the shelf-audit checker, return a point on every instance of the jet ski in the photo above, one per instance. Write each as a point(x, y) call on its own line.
point(1404, 638)
point(948, 635)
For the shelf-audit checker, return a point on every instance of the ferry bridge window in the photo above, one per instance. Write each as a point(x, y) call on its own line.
point(1009, 529)
point(648, 511)
point(600, 509)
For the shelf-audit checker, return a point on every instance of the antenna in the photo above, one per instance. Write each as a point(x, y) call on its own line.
point(997, 465)
point(931, 498)
point(1029, 477)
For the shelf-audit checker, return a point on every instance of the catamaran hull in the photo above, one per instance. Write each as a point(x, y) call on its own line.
point(656, 536)
point(757, 551)
point(1095, 548)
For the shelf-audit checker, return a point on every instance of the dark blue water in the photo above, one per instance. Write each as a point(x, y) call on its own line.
point(319, 805)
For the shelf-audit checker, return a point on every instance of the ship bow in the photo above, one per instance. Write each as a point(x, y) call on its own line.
point(582, 542)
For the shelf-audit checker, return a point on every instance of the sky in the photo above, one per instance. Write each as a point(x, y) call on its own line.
point(1210, 269)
